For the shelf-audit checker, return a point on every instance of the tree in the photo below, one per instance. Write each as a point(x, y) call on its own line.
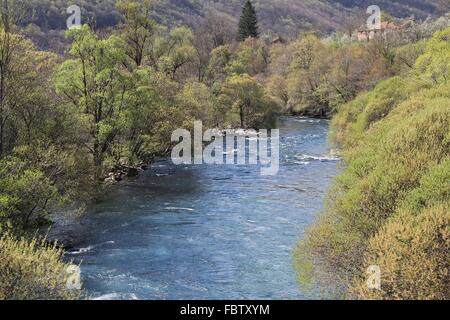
point(24, 89)
point(25, 194)
point(217, 69)
point(138, 28)
point(150, 113)
point(39, 154)
point(175, 51)
point(245, 102)
point(93, 81)
point(306, 81)
point(197, 102)
point(252, 57)
point(7, 45)
point(248, 24)
point(213, 33)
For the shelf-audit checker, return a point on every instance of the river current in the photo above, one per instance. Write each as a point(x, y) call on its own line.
point(209, 231)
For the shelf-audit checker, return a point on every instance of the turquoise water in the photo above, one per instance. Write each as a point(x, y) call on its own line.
point(209, 232)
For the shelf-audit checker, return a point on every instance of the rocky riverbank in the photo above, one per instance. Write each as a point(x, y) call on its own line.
point(120, 172)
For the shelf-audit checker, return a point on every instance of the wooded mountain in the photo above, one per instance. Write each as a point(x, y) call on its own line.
point(284, 17)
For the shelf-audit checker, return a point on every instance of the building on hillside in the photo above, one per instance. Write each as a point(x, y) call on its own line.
point(364, 34)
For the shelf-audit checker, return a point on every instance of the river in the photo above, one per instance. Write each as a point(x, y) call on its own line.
point(209, 232)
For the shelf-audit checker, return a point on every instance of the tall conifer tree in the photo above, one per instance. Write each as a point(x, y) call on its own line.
point(248, 24)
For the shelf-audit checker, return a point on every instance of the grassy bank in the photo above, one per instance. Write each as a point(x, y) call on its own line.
point(390, 207)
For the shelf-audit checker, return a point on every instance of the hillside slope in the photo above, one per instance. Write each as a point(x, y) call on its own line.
point(285, 17)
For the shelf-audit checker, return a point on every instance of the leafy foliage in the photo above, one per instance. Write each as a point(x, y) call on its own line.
point(412, 252)
point(244, 103)
point(33, 270)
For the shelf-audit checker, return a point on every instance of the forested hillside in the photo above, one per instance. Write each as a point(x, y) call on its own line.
point(285, 17)
point(400, 8)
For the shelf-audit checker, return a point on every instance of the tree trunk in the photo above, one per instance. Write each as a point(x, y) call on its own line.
point(98, 162)
point(241, 113)
point(1, 135)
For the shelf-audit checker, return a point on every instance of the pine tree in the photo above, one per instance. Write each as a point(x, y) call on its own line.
point(248, 24)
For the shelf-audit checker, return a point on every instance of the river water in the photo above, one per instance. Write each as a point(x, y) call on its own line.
point(209, 232)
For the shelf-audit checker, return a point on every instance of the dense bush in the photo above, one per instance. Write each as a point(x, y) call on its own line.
point(33, 270)
point(412, 252)
point(414, 243)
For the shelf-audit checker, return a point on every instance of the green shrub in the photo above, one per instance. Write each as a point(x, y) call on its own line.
point(24, 194)
point(434, 64)
point(412, 253)
point(434, 189)
point(33, 270)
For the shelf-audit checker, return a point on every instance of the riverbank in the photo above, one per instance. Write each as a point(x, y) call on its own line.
point(390, 208)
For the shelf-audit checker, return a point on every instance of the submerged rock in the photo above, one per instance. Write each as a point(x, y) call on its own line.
point(132, 172)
